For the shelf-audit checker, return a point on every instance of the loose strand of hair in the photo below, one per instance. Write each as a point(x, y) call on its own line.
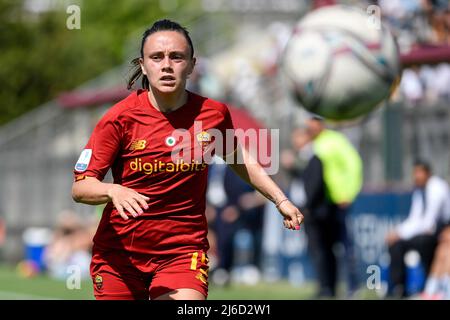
point(136, 73)
point(145, 83)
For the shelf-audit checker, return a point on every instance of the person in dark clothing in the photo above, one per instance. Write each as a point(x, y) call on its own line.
point(430, 208)
point(324, 223)
point(240, 208)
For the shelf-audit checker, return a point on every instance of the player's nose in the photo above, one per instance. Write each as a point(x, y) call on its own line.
point(166, 62)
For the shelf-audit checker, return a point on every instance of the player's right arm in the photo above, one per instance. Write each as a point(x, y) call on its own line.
point(92, 191)
point(101, 151)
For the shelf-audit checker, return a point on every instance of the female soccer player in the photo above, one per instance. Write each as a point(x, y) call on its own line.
point(152, 239)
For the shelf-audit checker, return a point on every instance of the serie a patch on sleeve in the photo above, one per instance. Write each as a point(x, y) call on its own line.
point(83, 160)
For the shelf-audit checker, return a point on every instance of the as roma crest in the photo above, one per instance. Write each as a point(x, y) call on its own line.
point(98, 281)
point(204, 138)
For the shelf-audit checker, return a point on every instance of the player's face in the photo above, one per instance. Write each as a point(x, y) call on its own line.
point(300, 138)
point(167, 61)
point(420, 176)
point(314, 127)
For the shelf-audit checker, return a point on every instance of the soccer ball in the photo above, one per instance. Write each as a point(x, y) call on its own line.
point(340, 62)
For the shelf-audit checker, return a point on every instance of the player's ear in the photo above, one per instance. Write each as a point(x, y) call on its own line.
point(192, 65)
point(141, 63)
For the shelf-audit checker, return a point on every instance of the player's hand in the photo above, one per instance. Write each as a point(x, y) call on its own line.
point(293, 218)
point(126, 199)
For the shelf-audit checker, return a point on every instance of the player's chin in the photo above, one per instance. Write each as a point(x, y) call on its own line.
point(168, 88)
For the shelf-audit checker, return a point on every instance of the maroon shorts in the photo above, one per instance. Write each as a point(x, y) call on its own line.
point(119, 275)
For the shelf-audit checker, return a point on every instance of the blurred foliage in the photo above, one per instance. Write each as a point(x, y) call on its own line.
point(40, 57)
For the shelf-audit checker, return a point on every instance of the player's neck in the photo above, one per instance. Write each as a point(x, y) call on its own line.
point(167, 102)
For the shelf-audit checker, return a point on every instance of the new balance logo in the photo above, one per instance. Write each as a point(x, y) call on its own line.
point(138, 145)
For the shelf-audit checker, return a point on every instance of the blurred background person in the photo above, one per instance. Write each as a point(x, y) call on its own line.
point(70, 245)
point(337, 163)
point(329, 169)
point(238, 207)
point(428, 213)
point(411, 87)
point(308, 184)
point(437, 286)
point(252, 205)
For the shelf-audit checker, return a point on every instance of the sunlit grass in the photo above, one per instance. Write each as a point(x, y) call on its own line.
point(13, 286)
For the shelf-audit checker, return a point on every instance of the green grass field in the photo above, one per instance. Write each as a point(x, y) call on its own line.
point(15, 287)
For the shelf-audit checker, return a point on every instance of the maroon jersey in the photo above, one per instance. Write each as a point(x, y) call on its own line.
point(162, 156)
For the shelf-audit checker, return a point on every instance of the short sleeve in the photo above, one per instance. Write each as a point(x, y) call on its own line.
point(227, 129)
point(101, 150)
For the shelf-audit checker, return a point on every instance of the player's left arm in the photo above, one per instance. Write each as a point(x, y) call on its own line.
point(250, 171)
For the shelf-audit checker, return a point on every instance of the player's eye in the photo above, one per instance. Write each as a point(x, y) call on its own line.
point(156, 57)
point(177, 57)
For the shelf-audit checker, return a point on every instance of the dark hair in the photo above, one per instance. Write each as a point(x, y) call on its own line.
point(317, 117)
point(423, 164)
point(160, 25)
